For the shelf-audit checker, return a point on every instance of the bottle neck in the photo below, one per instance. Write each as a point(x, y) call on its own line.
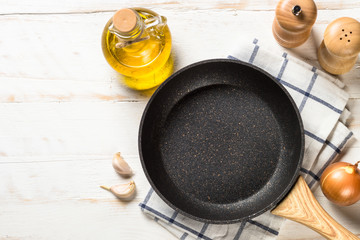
point(135, 33)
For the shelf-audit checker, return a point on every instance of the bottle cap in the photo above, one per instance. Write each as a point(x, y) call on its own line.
point(125, 20)
point(296, 15)
point(342, 37)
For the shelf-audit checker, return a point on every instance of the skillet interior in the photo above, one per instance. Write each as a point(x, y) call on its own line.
point(221, 141)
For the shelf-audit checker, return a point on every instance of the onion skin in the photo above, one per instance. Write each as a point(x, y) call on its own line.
point(340, 183)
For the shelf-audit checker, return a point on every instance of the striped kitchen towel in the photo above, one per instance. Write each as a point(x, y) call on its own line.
point(321, 103)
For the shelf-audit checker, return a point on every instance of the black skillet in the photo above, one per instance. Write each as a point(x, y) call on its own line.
point(221, 141)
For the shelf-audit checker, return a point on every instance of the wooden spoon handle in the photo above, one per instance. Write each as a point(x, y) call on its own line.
point(301, 206)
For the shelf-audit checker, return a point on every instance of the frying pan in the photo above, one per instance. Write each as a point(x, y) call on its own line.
point(222, 141)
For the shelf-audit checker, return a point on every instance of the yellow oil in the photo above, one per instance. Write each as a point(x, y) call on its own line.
point(144, 64)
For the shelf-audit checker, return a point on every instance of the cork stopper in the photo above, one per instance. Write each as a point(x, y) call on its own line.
point(125, 20)
point(296, 15)
point(342, 37)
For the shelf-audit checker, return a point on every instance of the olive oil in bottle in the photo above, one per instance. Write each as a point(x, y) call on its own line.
point(136, 42)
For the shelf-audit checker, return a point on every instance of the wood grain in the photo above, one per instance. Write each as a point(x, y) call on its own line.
point(340, 48)
point(292, 30)
point(301, 206)
point(35, 70)
point(96, 6)
point(65, 112)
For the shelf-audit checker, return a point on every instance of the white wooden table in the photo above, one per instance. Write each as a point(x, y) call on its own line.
point(64, 112)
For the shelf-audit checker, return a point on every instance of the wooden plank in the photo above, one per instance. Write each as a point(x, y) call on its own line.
point(55, 184)
point(91, 128)
point(42, 6)
point(58, 58)
point(63, 194)
point(64, 111)
point(55, 179)
point(84, 128)
point(58, 197)
point(74, 219)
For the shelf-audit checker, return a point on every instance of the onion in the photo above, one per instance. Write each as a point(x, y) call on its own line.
point(340, 183)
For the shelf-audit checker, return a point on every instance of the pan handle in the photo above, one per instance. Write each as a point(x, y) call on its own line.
point(301, 206)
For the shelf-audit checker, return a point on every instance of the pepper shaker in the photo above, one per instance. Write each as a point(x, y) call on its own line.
point(339, 50)
point(293, 22)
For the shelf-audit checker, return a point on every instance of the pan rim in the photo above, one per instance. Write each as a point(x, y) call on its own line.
point(285, 191)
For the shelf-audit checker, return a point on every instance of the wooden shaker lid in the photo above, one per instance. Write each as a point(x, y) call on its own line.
point(125, 20)
point(342, 37)
point(291, 18)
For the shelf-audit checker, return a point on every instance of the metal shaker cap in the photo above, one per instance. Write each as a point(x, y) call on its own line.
point(296, 15)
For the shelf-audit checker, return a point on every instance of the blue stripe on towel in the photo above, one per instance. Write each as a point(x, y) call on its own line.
point(313, 136)
point(184, 236)
point(332, 157)
point(239, 232)
point(159, 214)
point(253, 55)
point(282, 69)
point(202, 231)
point(326, 104)
point(333, 146)
point(310, 173)
point(148, 196)
point(232, 57)
point(299, 90)
point(270, 230)
point(172, 219)
point(308, 90)
point(336, 149)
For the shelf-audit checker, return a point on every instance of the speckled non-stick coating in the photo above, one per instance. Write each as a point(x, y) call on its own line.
point(221, 141)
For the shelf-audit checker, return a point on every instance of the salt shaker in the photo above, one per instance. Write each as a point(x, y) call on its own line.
point(293, 22)
point(339, 50)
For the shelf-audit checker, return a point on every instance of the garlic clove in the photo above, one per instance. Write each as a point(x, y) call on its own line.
point(120, 166)
point(124, 192)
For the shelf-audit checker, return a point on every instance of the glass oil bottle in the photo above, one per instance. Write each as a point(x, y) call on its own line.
point(136, 42)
